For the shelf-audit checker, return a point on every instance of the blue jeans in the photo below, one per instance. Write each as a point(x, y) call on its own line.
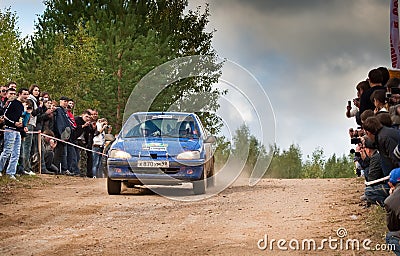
point(366, 172)
point(12, 147)
point(393, 240)
point(26, 149)
point(60, 157)
point(97, 161)
point(78, 158)
point(72, 160)
point(377, 193)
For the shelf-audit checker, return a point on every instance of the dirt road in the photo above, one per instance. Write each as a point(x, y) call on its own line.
point(52, 215)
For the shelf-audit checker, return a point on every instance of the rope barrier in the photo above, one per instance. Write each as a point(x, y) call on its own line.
point(54, 138)
point(60, 140)
point(369, 183)
point(72, 144)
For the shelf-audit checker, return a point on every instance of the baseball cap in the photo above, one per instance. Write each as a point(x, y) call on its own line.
point(64, 98)
point(394, 177)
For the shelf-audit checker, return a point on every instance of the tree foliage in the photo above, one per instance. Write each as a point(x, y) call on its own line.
point(287, 163)
point(314, 167)
point(339, 167)
point(71, 68)
point(10, 43)
point(131, 38)
point(222, 151)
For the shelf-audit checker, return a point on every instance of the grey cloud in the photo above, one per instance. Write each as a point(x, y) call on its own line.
point(318, 33)
point(308, 55)
point(298, 6)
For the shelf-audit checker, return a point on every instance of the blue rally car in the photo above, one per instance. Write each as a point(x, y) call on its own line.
point(161, 148)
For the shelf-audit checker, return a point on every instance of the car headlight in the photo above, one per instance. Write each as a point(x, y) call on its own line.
point(188, 155)
point(119, 154)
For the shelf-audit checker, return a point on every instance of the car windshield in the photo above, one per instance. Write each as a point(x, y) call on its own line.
point(160, 125)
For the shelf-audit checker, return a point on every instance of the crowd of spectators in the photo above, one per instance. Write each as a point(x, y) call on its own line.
point(376, 110)
point(64, 138)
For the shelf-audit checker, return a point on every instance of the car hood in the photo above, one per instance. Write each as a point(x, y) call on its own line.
point(160, 146)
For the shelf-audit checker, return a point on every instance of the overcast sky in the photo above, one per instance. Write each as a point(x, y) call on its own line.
point(307, 55)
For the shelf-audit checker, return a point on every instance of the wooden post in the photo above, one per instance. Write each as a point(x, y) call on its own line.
point(40, 151)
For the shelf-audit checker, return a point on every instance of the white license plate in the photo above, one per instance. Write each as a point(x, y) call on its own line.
point(153, 164)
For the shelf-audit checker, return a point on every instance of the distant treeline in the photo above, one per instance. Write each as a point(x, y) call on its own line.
point(286, 163)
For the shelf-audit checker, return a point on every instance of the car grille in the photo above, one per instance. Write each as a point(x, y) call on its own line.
point(154, 170)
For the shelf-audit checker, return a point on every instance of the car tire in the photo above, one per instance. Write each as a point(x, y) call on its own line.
point(199, 186)
point(113, 187)
point(211, 175)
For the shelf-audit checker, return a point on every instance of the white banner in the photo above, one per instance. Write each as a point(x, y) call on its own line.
point(394, 34)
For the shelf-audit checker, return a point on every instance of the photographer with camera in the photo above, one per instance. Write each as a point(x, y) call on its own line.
point(98, 144)
point(393, 91)
point(386, 139)
point(355, 111)
point(352, 111)
point(30, 140)
point(395, 115)
point(393, 99)
point(46, 113)
point(376, 193)
point(355, 136)
point(83, 123)
point(360, 164)
point(45, 123)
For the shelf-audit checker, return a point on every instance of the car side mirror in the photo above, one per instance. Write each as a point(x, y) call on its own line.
point(210, 139)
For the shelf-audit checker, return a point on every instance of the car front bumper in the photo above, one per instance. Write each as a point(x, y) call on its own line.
point(176, 173)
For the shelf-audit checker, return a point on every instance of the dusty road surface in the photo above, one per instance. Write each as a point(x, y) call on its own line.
point(50, 215)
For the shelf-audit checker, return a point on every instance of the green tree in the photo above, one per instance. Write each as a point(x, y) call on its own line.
point(286, 164)
point(314, 167)
point(255, 150)
point(72, 67)
point(133, 37)
point(274, 167)
point(291, 162)
point(342, 167)
point(241, 142)
point(222, 151)
point(10, 44)
point(247, 147)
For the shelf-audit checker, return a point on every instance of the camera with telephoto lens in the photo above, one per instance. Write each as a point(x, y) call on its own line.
point(388, 98)
point(355, 153)
point(355, 140)
point(389, 95)
point(355, 136)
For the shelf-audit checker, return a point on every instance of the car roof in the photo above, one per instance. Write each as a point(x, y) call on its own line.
point(164, 113)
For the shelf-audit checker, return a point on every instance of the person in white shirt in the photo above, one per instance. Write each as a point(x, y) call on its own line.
point(98, 145)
